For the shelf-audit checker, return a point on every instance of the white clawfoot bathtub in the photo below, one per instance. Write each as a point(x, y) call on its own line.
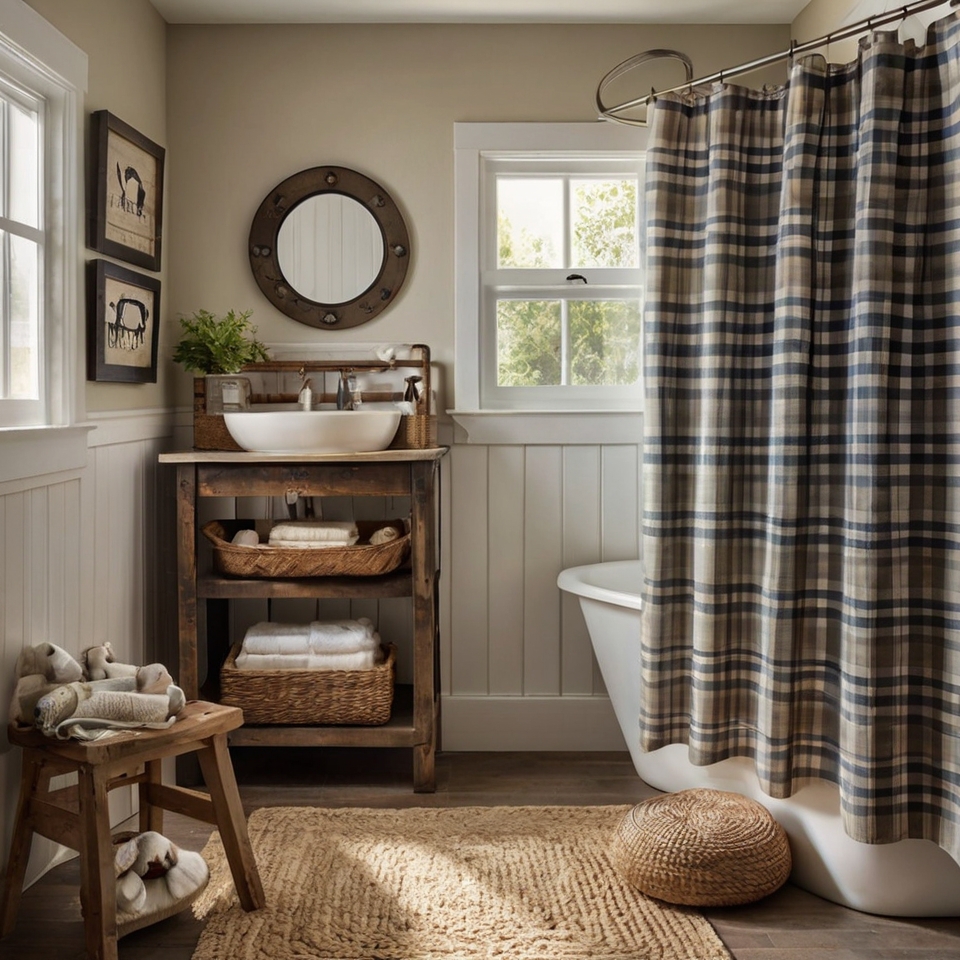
point(911, 878)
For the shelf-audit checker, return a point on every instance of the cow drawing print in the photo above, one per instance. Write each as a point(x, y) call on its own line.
point(129, 323)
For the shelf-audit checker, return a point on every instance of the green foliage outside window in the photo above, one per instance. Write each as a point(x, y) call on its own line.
point(604, 335)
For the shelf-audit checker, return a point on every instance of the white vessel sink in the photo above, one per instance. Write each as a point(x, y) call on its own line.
point(313, 431)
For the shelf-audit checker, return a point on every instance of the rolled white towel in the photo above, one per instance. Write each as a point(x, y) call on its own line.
point(343, 636)
point(384, 535)
point(338, 531)
point(277, 638)
point(360, 660)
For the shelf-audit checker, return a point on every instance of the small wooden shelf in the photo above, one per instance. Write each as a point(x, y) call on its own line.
point(398, 731)
point(389, 473)
point(215, 587)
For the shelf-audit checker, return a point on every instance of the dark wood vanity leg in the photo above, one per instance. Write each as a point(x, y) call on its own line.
point(423, 561)
point(187, 577)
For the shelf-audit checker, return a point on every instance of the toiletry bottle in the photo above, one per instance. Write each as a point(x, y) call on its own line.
point(412, 393)
point(344, 399)
point(306, 396)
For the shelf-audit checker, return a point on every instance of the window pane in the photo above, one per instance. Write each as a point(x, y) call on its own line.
point(24, 159)
point(24, 320)
point(604, 214)
point(604, 342)
point(528, 343)
point(529, 222)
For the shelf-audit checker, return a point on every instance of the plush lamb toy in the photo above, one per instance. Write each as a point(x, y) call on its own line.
point(154, 876)
point(100, 663)
point(105, 704)
point(40, 669)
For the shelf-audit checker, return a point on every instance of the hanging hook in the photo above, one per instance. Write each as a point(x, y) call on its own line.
point(790, 55)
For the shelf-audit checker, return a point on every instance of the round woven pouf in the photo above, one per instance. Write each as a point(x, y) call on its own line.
point(701, 848)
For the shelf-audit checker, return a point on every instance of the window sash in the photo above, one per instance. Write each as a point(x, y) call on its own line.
point(43, 72)
point(550, 284)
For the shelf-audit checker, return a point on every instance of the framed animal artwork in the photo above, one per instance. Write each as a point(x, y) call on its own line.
point(126, 196)
point(123, 312)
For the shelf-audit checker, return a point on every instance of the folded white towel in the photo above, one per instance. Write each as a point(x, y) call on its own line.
point(313, 544)
point(361, 660)
point(321, 636)
point(315, 530)
point(343, 636)
point(277, 638)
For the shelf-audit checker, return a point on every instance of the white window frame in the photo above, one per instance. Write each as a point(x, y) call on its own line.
point(36, 57)
point(603, 417)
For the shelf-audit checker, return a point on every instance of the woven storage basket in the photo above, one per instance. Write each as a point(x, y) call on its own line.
point(361, 560)
point(416, 432)
point(702, 848)
point(361, 697)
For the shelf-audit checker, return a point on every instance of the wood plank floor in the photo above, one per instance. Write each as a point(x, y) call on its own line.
point(790, 925)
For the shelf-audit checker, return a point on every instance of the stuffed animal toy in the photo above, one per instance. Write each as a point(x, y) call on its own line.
point(155, 876)
point(39, 670)
point(100, 663)
point(51, 662)
point(98, 704)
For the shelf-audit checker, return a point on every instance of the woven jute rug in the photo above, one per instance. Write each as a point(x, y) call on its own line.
point(515, 883)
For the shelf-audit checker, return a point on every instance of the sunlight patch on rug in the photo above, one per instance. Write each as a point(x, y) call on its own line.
point(459, 883)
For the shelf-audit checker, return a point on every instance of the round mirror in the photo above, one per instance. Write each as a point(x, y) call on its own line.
point(329, 248)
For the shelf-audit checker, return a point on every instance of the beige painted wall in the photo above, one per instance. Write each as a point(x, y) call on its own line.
point(251, 105)
point(125, 41)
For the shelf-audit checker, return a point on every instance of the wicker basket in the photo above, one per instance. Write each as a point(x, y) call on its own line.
point(416, 432)
point(351, 697)
point(701, 848)
point(361, 560)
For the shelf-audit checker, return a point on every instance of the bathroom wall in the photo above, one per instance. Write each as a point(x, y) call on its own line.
point(251, 105)
point(79, 549)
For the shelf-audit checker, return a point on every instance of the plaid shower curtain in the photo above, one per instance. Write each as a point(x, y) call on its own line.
point(802, 437)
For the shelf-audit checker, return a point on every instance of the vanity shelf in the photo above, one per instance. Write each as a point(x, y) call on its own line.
point(407, 473)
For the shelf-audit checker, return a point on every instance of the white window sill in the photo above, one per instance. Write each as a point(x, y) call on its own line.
point(36, 451)
point(547, 426)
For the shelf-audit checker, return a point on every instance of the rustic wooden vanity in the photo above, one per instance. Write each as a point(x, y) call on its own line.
point(390, 473)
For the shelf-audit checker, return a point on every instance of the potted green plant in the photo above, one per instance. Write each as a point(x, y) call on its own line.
point(215, 345)
point(218, 348)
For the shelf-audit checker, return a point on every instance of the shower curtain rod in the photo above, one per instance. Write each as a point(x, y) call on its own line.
point(868, 23)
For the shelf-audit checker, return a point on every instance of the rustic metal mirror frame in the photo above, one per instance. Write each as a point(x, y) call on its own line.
point(265, 262)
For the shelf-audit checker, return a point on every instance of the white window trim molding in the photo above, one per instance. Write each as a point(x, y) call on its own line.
point(27, 452)
point(531, 427)
point(62, 444)
point(471, 140)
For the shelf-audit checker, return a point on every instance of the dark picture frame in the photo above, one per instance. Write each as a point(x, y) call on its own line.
point(123, 330)
point(126, 195)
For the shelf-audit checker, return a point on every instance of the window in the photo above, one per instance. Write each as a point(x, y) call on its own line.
point(42, 80)
point(549, 271)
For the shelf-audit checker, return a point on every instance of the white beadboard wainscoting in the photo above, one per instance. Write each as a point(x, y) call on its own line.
point(517, 669)
point(79, 565)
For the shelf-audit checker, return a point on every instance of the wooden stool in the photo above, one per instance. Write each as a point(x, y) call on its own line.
point(78, 816)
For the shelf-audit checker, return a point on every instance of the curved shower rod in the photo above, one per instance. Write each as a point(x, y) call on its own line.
point(868, 23)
